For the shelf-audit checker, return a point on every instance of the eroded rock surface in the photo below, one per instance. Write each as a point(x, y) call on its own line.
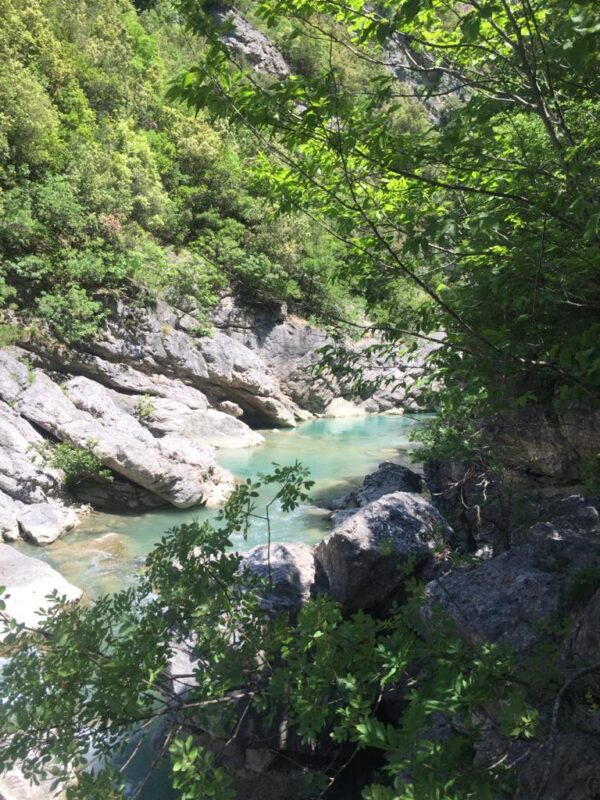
point(509, 598)
point(85, 415)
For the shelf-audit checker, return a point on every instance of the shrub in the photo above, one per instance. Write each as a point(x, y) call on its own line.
point(79, 464)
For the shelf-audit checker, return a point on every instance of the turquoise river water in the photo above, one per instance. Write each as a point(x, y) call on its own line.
point(106, 550)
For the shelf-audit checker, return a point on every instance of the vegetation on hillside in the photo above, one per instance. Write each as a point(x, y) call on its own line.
point(105, 185)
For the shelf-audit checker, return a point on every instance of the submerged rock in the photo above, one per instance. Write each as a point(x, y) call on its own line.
point(367, 556)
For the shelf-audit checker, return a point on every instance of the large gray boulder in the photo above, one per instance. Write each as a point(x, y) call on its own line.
point(39, 523)
point(28, 582)
point(293, 571)
point(366, 558)
point(387, 478)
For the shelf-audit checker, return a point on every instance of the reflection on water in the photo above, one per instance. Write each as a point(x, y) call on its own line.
point(104, 553)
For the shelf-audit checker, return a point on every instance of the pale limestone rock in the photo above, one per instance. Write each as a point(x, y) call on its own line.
point(340, 407)
point(43, 523)
point(28, 581)
point(86, 415)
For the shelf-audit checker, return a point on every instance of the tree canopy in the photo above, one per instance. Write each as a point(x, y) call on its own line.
point(482, 222)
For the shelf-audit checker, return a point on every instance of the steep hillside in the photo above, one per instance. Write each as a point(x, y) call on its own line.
point(105, 186)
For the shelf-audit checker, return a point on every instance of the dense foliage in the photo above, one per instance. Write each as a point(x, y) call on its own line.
point(478, 216)
point(85, 690)
point(104, 184)
point(484, 224)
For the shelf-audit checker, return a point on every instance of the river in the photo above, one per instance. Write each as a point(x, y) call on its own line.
point(106, 551)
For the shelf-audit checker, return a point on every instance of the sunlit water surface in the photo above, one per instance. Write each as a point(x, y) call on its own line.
point(106, 551)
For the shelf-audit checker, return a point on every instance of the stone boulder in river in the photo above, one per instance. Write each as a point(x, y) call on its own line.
point(43, 523)
point(387, 478)
point(295, 575)
point(367, 556)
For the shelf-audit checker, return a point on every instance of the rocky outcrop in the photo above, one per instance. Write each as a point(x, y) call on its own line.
point(369, 556)
point(22, 476)
point(152, 397)
point(290, 346)
point(507, 598)
point(249, 43)
point(160, 341)
point(28, 583)
point(159, 449)
point(199, 427)
point(84, 414)
point(564, 768)
point(548, 443)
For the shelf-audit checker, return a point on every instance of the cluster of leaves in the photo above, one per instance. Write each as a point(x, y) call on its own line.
point(104, 184)
point(78, 464)
point(93, 679)
point(485, 224)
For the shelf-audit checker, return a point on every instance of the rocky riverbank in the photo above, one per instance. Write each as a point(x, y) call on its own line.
point(151, 399)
